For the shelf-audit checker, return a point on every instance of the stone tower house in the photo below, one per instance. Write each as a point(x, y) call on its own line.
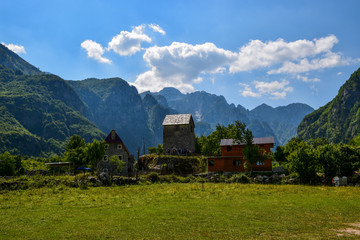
point(178, 132)
point(114, 146)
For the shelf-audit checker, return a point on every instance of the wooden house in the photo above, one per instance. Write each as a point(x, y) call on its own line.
point(232, 158)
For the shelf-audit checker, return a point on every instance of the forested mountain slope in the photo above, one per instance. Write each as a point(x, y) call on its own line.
point(339, 120)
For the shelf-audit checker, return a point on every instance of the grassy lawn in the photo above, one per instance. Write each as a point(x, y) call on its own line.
point(180, 211)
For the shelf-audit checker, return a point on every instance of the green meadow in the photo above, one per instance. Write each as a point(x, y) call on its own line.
point(181, 211)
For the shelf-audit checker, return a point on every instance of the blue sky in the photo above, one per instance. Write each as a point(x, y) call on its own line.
point(251, 52)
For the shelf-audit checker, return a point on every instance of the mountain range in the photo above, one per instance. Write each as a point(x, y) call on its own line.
point(39, 111)
point(339, 120)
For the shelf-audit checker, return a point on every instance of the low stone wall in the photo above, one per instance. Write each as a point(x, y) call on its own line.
point(172, 165)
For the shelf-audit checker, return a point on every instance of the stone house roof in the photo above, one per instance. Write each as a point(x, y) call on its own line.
point(178, 119)
point(257, 141)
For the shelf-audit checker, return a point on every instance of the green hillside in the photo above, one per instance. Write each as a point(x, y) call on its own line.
point(339, 120)
point(11, 60)
point(38, 114)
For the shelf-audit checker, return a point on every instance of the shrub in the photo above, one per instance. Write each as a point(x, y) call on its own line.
point(153, 177)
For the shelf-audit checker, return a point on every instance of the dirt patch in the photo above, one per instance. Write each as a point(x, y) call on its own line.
point(354, 229)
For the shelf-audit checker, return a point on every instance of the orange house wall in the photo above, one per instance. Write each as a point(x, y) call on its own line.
point(225, 163)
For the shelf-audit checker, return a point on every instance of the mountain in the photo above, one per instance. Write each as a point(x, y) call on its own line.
point(39, 113)
point(339, 120)
point(11, 60)
point(282, 120)
point(114, 104)
point(156, 113)
point(209, 110)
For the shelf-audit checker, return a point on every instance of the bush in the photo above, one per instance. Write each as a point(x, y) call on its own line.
point(239, 178)
point(153, 177)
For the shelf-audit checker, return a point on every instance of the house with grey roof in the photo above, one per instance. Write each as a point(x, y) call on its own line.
point(178, 133)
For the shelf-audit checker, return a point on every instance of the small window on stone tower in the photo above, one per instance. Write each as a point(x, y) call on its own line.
point(106, 158)
point(106, 146)
point(119, 146)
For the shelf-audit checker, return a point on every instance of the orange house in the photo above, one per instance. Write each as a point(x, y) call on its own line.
point(232, 158)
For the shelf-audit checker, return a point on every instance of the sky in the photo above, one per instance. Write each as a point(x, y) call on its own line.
point(251, 52)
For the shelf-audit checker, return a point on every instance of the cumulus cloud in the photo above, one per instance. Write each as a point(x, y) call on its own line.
point(15, 48)
point(183, 63)
point(157, 28)
point(128, 43)
point(258, 54)
point(247, 91)
point(275, 89)
point(329, 60)
point(307, 79)
point(180, 65)
point(95, 50)
point(125, 43)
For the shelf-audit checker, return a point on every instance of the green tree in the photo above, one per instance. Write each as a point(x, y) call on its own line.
point(118, 165)
point(75, 151)
point(94, 152)
point(326, 155)
point(210, 145)
point(349, 159)
point(7, 165)
point(252, 153)
point(280, 155)
point(156, 150)
point(304, 163)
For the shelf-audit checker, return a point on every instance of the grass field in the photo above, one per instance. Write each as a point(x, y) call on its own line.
point(181, 211)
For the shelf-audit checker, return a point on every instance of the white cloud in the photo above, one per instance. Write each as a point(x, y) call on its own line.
point(157, 28)
point(15, 48)
point(247, 91)
point(95, 50)
point(125, 44)
point(307, 79)
point(183, 63)
point(258, 54)
point(275, 89)
point(329, 60)
point(339, 73)
point(128, 43)
point(180, 65)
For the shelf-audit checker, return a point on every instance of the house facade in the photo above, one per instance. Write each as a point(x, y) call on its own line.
point(232, 157)
point(114, 146)
point(178, 133)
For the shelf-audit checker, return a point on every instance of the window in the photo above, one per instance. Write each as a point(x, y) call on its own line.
point(211, 163)
point(119, 146)
point(120, 157)
point(260, 163)
point(106, 158)
point(106, 146)
point(237, 163)
point(229, 148)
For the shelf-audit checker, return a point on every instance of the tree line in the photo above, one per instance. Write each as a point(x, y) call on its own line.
point(77, 152)
point(318, 159)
